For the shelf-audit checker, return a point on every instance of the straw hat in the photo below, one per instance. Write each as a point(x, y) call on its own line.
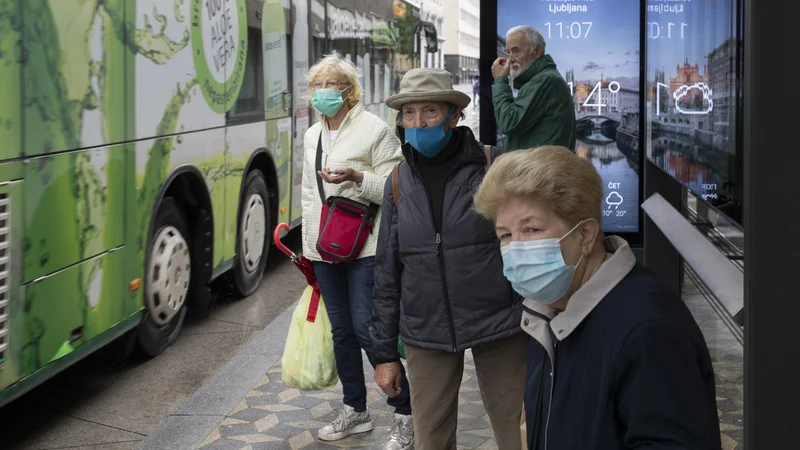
point(432, 85)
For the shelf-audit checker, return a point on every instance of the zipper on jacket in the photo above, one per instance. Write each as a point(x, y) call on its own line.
point(440, 257)
point(439, 253)
point(552, 388)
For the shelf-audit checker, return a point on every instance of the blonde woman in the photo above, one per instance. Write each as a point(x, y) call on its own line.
point(358, 151)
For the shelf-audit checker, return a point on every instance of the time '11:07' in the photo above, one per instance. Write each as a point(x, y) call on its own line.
point(656, 30)
point(574, 30)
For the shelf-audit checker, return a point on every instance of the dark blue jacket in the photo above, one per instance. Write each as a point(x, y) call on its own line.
point(632, 370)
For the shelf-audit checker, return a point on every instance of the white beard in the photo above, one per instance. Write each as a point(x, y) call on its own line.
point(514, 72)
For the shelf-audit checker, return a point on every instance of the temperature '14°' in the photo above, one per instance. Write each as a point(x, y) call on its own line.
point(613, 87)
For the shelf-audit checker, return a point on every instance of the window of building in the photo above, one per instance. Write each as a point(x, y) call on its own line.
point(470, 18)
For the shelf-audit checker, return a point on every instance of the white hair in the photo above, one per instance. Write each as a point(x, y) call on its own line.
point(531, 34)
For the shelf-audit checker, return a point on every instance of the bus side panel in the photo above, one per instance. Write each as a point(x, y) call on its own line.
point(66, 309)
point(67, 199)
point(71, 216)
point(279, 144)
point(67, 66)
point(242, 141)
point(10, 73)
point(157, 158)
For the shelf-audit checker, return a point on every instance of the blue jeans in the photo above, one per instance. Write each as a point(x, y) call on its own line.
point(347, 292)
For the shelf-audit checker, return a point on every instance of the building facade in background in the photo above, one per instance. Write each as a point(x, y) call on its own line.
point(462, 39)
point(431, 11)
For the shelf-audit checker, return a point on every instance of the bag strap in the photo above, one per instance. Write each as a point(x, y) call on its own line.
point(395, 183)
point(318, 166)
point(487, 151)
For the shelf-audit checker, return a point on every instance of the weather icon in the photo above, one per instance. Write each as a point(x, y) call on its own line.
point(614, 199)
point(696, 101)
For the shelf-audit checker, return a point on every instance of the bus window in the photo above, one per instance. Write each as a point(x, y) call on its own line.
point(249, 107)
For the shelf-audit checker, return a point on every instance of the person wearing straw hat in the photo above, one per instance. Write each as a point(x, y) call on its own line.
point(439, 280)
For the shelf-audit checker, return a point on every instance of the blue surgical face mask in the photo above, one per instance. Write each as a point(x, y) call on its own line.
point(429, 141)
point(328, 101)
point(536, 269)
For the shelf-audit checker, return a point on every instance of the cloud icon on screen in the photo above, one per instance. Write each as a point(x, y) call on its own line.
point(702, 104)
point(614, 199)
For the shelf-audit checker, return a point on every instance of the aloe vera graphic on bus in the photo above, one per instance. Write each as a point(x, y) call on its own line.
point(111, 106)
point(74, 97)
point(219, 46)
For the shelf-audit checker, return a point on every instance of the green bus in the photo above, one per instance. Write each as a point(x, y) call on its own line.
point(149, 147)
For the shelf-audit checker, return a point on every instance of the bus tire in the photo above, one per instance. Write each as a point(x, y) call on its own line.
point(168, 270)
point(252, 240)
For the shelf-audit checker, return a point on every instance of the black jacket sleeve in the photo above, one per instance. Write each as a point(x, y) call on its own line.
point(664, 397)
point(386, 294)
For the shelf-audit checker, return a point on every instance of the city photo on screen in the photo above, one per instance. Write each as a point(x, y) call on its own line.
point(694, 69)
point(595, 45)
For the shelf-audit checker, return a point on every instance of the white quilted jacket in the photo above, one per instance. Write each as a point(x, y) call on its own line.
point(364, 143)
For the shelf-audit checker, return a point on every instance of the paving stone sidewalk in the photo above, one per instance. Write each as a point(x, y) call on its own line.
point(273, 416)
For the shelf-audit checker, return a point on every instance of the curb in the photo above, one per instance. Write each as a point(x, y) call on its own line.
point(201, 413)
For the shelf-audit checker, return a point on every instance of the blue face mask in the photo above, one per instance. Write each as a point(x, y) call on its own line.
point(328, 101)
point(429, 141)
point(536, 269)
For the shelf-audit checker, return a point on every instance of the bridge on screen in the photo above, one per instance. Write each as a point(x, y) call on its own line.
point(598, 118)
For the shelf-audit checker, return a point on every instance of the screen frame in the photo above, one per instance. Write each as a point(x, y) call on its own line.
point(740, 122)
point(488, 126)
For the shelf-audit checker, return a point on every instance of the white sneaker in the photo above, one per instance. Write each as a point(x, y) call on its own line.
point(348, 422)
point(401, 435)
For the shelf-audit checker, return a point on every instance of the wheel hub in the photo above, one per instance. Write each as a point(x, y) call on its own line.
point(168, 271)
point(253, 233)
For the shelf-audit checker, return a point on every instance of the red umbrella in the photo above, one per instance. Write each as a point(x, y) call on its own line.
point(305, 266)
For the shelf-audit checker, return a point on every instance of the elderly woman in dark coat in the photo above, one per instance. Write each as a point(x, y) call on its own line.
point(439, 283)
point(616, 360)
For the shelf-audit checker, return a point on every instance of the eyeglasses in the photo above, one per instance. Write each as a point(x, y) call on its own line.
point(330, 85)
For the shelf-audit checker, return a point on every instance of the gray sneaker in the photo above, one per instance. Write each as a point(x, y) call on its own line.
point(348, 422)
point(401, 435)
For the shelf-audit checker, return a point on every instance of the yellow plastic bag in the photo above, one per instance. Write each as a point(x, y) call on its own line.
point(308, 363)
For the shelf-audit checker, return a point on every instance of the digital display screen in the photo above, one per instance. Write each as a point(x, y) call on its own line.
point(595, 45)
point(693, 101)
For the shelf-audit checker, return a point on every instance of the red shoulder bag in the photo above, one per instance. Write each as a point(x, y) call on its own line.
point(344, 224)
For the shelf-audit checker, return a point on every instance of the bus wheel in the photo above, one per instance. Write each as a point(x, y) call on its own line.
point(253, 238)
point(167, 278)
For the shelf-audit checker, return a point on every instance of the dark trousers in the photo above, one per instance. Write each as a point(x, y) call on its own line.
point(347, 292)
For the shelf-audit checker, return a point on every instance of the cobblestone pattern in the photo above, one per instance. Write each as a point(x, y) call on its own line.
point(274, 417)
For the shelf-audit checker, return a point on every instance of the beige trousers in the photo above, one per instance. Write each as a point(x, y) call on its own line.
point(435, 378)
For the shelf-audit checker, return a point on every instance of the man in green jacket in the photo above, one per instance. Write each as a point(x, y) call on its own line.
point(543, 112)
